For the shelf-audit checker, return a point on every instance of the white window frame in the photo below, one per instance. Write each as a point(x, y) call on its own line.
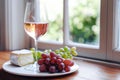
point(84, 50)
point(113, 28)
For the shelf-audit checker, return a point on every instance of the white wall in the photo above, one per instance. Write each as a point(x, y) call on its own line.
point(12, 35)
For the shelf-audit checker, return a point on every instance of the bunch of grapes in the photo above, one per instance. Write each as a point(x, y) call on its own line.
point(53, 63)
point(65, 52)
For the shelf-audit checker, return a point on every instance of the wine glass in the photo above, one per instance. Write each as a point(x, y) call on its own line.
point(35, 21)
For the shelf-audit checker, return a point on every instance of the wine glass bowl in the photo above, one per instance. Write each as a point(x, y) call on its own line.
point(35, 18)
point(35, 29)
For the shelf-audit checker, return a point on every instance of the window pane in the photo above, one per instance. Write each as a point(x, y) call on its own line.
point(54, 9)
point(84, 19)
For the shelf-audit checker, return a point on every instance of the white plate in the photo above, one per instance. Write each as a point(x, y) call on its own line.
point(8, 67)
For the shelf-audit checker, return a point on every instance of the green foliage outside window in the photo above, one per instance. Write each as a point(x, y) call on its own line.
point(83, 21)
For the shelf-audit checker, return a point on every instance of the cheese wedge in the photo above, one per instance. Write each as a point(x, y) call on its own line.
point(21, 57)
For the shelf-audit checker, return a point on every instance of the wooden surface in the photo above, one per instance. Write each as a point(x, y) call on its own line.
point(87, 71)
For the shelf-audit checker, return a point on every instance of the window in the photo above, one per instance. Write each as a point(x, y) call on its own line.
point(105, 24)
point(84, 25)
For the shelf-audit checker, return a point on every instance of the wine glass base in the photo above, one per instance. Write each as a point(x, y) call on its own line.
point(32, 67)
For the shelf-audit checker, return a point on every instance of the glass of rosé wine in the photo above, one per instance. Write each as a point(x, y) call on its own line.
point(35, 20)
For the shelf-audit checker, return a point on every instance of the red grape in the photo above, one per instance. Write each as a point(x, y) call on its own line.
point(53, 60)
point(47, 61)
point(61, 66)
point(52, 54)
point(68, 62)
point(72, 63)
point(41, 61)
point(44, 55)
point(59, 61)
point(67, 68)
point(42, 68)
point(58, 56)
point(61, 58)
point(52, 69)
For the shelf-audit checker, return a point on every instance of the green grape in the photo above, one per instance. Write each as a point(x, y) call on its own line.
point(48, 51)
point(74, 53)
point(66, 49)
point(61, 53)
point(73, 49)
point(39, 55)
point(36, 55)
point(57, 51)
point(32, 49)
point(65, 55)
point(68, 53)
point(70, 56)
point(61, 50)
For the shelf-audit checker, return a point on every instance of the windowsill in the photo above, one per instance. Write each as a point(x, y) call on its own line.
point(99, 61)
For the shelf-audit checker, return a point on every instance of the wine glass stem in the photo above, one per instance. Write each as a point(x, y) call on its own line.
point(35, 40)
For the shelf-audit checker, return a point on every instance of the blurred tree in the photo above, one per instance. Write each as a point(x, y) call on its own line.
point(83, 19)
point(82, 32)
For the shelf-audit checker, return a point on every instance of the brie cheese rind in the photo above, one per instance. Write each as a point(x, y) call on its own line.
point(21, 57)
